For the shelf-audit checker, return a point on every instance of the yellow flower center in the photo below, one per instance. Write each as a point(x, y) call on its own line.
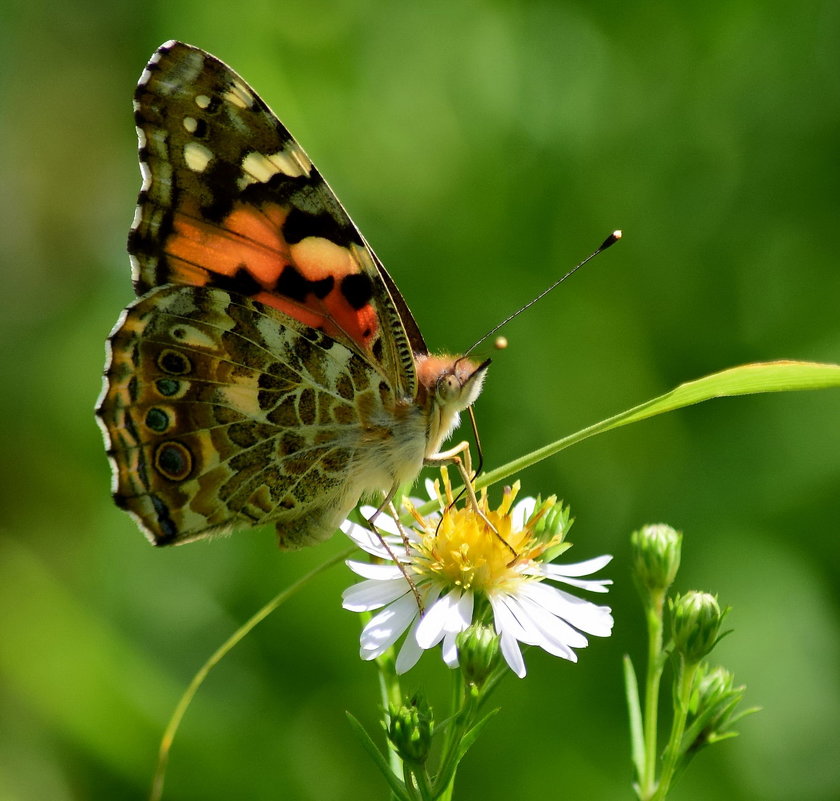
point(463, 551)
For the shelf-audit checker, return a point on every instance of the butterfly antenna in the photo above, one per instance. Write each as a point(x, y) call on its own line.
point(608, 242)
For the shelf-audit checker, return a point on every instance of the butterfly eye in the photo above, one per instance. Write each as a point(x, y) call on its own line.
point(448, 388)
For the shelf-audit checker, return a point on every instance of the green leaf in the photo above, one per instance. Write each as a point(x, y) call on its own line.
point(748, 379)
point(396, 785)
point(472, 735)
point(634, 710)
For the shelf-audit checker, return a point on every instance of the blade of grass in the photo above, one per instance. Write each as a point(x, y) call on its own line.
point(198, 679)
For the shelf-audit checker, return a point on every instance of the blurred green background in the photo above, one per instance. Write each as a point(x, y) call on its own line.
point(483, 147)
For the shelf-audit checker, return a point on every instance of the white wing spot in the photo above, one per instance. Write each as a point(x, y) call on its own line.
point(138, 218)
point(295, 152)
point(191, 336)
point(202, 101)
point(146, 175)
point(196, 156)
point(260, 168)
point(147, 73)
point(191, 124)
point(239, 95)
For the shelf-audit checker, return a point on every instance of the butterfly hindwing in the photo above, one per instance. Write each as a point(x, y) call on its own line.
point(222, 417)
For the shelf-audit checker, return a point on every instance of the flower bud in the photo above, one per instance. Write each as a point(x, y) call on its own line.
point(478, 653)
point(713, 705)
point(656, 556)
point(714, 685)
point(695, 620)
point(410, 729)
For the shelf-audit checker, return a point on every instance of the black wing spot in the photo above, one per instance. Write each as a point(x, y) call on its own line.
point(301, 224)
point(293, 285)
point(174, 460)
point(174, 363)
point(242, 282)
point(357, 289)
point(157, 420)
point(220, 178)
point(168, 529)
point(167, 386)
point(213, 106)
point(200, 131)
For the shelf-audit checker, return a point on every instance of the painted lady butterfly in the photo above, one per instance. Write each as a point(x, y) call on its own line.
point(270, 371)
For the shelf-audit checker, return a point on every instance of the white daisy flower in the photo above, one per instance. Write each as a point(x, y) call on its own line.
point(464, 573)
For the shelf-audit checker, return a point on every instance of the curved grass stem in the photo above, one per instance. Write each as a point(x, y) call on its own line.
point(181, 707)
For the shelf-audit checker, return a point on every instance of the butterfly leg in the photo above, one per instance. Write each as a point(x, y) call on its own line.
point(463, 465)
point(371, 524)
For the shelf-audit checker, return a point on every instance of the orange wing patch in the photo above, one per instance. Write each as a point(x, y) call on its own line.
point(316, 281)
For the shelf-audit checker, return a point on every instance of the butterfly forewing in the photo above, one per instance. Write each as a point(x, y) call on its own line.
point(231, 200)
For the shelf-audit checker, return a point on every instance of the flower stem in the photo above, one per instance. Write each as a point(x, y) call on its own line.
point(673, 751)
point(408, 781)
point(462, 721)
point(655, 662)
point(423, 783)
point(391, 694)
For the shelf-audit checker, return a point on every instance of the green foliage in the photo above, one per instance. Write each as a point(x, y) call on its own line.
point(483, 148)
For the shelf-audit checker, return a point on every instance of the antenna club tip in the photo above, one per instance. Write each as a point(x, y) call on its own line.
point(500, 343)
point(610, 240)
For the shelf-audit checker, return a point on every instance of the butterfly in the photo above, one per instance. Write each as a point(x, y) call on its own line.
point(269, 370)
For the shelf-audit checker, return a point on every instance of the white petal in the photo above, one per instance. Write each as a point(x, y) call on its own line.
point(450, 650)
point(365, 539)
point(369, 570)
point(410, 652)
point(435, 622)
point(579, 568)
point(354, 530)
point(369, 595)
point(506, 620)
point(386, 627)
point(383, 522)
point(430, 490)
point(512, 654)
point(521, 513)
point(590, 585)
point(556, 636)
point(387, 524)
point(583, 615)
point(461, 615)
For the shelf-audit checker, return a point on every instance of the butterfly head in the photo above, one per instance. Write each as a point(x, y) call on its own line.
point(451, 384)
